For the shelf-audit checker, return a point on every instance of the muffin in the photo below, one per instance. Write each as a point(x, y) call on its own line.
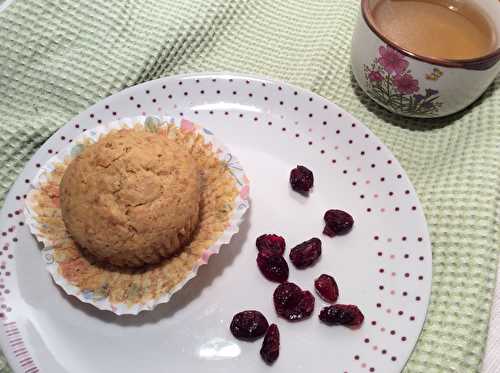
point(132, 198)
point(130, 210)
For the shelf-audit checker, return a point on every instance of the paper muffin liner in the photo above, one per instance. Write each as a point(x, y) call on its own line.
point(225, 199)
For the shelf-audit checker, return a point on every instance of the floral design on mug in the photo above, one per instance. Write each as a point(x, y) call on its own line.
point(434, 75)
point(391, 83)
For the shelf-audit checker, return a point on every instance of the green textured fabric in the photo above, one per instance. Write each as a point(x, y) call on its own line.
point(58, 57)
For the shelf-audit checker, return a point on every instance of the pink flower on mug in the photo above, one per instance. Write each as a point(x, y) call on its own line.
point(392, 61)
point(375, 76)
point(406, 84)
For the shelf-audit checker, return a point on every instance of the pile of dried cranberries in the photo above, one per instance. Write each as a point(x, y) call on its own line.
point(290, 301)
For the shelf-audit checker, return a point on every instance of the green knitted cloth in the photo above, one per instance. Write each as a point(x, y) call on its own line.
point(58, 57)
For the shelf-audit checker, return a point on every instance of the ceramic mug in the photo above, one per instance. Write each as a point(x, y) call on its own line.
point(414, 85)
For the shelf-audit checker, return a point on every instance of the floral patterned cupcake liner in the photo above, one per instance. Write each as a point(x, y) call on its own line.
point(225, 199)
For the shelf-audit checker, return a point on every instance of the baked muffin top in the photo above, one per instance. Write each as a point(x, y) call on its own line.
point(132, 198)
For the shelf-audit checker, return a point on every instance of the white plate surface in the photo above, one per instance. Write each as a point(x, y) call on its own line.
point(384, 265)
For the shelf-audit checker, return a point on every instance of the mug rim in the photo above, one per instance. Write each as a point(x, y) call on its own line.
point(475, 63)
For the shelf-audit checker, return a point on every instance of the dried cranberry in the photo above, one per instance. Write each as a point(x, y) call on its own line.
point(272, 266)
point(337, 222)
point(304, 308)
point(249, 325)
point(271, 346)
point(271, 242)
point(292, 303)
point(327, 288)
point(286, 295)
point(342, 314)
point(306, 253)
point(301, 179)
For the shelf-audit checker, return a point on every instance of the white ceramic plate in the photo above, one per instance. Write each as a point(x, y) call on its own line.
point(384, 265)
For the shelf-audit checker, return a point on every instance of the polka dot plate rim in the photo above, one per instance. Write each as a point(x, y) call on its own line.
point(384, 265)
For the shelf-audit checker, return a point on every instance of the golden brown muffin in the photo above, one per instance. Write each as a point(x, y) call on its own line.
point(132, 198)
